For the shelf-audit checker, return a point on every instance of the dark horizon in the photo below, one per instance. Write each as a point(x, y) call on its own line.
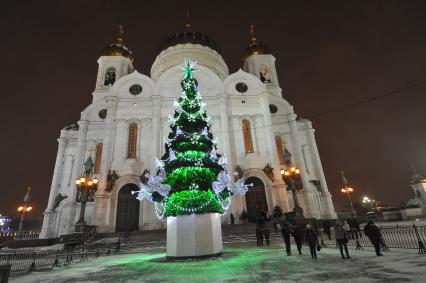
point(329, 54)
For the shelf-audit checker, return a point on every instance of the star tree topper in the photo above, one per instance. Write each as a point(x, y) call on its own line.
point(188, 69)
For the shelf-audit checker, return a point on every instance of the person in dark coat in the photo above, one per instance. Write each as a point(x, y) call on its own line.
point(232, 219)
point(265, 232)
point(373, 233)
point(327, 228)
point(357, 228)
point(341, 236)
point(286, 232)
point(297, 235)
point(259, 236)
point(312, 240)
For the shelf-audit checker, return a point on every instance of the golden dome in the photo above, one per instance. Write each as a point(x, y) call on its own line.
point(255, 47)
point(118, 48)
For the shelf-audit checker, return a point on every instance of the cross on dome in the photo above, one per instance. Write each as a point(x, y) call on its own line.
point(120, 37)
point(188, 21)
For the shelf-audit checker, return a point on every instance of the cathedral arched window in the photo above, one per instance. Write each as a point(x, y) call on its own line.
point(264, 74)
point(110, 76)
point(98, 157)
point(133, 133)
point(280, 152)
point(248, 144)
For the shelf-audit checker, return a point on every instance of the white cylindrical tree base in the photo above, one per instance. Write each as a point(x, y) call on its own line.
point(194, 236)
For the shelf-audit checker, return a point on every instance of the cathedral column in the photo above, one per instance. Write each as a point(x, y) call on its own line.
point(237, 205)
point(148, 219)
point(80, 151)
point(254, 140)
point(100, 217)
point(223, 103)
point(278, 186)
point(326, 196)
point(236, 146)
point(139, 141)
point(155, 129)
point(49, 213)
point(238, 140)
point(307, 192)
point(307, 154)
point(120, 140)
point(108, 143)
point(297, 149)
point(57, 173)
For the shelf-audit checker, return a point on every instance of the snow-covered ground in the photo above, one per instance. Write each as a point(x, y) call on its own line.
point(244, 263)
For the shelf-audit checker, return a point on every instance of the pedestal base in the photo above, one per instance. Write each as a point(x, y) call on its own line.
point(194, 236)
point(84, 228)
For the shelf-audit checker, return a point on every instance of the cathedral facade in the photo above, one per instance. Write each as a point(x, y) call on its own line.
point(124, 128)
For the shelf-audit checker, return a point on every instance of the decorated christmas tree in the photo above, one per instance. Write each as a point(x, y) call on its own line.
point(191, 177)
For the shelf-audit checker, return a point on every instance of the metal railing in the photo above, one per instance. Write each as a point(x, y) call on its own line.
point(404, 237)
point(43, 260)
point(24, 235)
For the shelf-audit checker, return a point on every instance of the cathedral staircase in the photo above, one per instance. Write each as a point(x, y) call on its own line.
point(157, 238)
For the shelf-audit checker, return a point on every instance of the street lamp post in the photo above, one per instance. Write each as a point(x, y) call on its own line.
point(86, 184)
point(23, 209)
point(291, 176)
point(348, 190)
point(368, 202)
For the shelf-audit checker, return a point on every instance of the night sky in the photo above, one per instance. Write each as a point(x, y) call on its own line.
point(329, 54)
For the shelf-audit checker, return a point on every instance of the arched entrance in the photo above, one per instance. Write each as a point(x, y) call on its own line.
point(256, 198)
point(127, 209)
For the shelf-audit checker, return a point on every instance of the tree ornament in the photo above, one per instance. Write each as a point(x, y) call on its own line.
point(205, 132)
point(240, 188)
point(172, 155)
point(159, 164)
point(223, 161)
point(179, 131)
point(213, 154)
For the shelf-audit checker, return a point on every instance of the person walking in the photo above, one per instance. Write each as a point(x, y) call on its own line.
point(347, 228)
point(259, 236)
point(265, 232)
point(327, 228)
point(357, 228)
point(297, 235)
point(373, 233)
point(286, 231)
point(312, 240)
point(341, 236)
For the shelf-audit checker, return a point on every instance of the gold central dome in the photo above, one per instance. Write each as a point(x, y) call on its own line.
point(255, 47)
point(118, 48)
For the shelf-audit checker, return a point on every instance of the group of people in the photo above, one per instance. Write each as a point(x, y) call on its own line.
point(310, 237)
point(261, 231)
point(342, 235)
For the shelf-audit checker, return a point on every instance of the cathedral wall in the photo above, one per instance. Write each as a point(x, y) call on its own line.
point(149, 110)
point(66, 174)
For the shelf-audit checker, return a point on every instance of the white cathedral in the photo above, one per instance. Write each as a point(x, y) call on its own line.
point(123, 129)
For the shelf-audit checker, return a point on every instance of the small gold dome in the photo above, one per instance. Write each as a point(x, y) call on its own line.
point(118, 48)
point(255, 47)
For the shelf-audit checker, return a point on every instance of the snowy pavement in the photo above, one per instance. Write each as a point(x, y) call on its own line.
point(243, 263)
